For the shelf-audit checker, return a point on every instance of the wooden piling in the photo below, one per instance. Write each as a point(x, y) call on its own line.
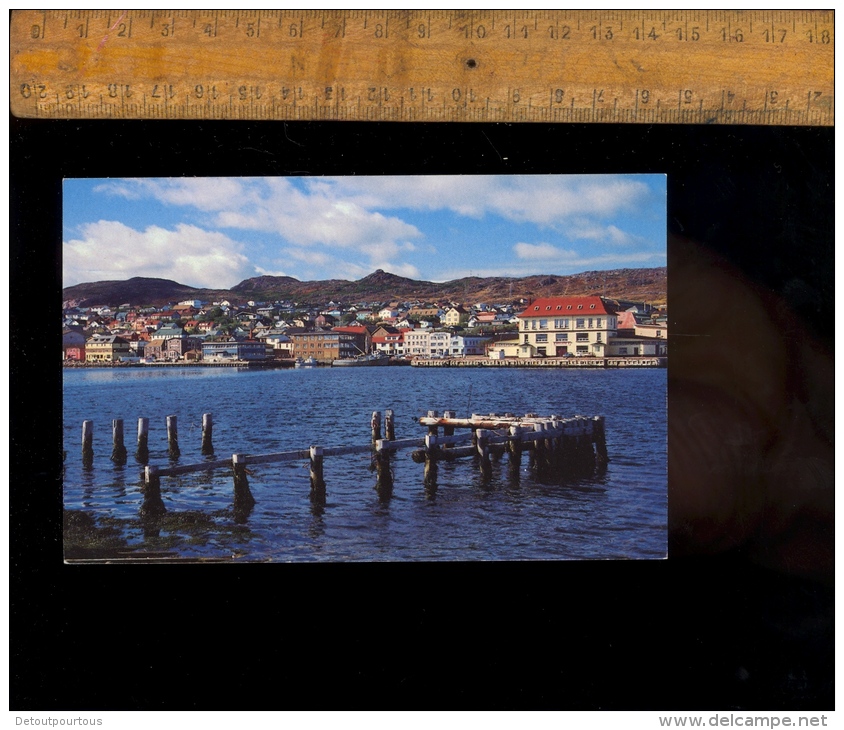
point(376, 426)
point(384, 483)
point(207, 429)
point(538, 456)
point(87, 443)
point(316, 464)
point(483, 452)
point(430, 476)
point(118, 449)
point(142, 452)
point(600, 437)
point(152, 506)
point(548, 444)
point(568, 455)
point(172, 437)
point(243, 499)
point(433, 430)
point(389, 425)
point(448, 430)
point(515, 446)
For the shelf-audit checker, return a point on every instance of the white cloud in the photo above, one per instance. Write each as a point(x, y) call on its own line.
point(312, 219)
point(344, 227)
point(603, 234)
point(616, 235)
point(541, 252)
point(308, 256)
point(541, 199)
point(187, 254)
point(328, 207)
point(203, 193)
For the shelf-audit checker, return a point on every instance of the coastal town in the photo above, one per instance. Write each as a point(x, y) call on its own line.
point(551, 331)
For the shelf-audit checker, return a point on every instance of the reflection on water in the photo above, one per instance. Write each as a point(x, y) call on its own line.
point(453, 513)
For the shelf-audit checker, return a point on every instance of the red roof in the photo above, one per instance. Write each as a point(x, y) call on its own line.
point(626, 320)
point(556, 306)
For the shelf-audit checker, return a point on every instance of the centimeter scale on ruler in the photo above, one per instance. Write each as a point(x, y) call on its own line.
point(729, 67)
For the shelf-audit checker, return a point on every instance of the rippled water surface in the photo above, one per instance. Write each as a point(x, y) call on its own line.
point(619, 514)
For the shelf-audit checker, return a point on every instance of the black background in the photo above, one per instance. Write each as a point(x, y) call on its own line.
point(719, 625)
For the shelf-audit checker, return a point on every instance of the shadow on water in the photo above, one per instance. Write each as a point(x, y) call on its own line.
point(317, 498)
point(316, 527)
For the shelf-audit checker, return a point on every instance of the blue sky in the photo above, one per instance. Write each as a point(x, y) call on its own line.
point(216, 232)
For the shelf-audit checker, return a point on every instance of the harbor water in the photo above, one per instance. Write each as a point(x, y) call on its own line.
point(619, 514)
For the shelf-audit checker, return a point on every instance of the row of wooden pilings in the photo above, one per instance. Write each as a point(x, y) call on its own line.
point(244, 500)
point(119, 454)
point(555, 445)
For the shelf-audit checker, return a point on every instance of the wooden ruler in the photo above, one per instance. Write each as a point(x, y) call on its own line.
point(688, 67)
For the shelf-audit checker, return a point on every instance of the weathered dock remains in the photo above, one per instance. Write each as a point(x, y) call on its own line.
point(555, 446)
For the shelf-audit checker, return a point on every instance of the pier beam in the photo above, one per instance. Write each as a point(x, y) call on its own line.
point(87, 444)
point(207, 430)
point(243, 499)
point(118, 449)
point(142, 452)
point(173, 437)
point(153, 506)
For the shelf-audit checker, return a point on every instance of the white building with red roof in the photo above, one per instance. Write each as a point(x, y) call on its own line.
point(564, 326)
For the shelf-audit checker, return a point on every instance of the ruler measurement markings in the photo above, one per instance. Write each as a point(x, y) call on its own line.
point(527, 93)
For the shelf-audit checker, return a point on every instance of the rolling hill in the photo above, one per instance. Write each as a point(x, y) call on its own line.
point(648, 285)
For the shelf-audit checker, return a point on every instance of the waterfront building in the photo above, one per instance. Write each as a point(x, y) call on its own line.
point(390, 343)
point(462, 345)
point(231, 349)
point(558, 326)
point(327, 345)
point(656, 329)
point(638, 346)
point(106, 348)
point(73, 344)
point(428, 343)
point(363, 335)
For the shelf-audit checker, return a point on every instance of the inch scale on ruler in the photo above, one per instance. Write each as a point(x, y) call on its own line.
point(688, 67)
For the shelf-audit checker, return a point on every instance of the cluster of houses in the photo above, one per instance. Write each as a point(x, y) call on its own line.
point(195, 331)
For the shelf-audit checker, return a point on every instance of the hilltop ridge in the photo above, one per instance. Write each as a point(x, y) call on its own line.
point(648, 285)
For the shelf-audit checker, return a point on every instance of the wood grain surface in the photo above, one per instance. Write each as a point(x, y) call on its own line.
point(725, 67)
